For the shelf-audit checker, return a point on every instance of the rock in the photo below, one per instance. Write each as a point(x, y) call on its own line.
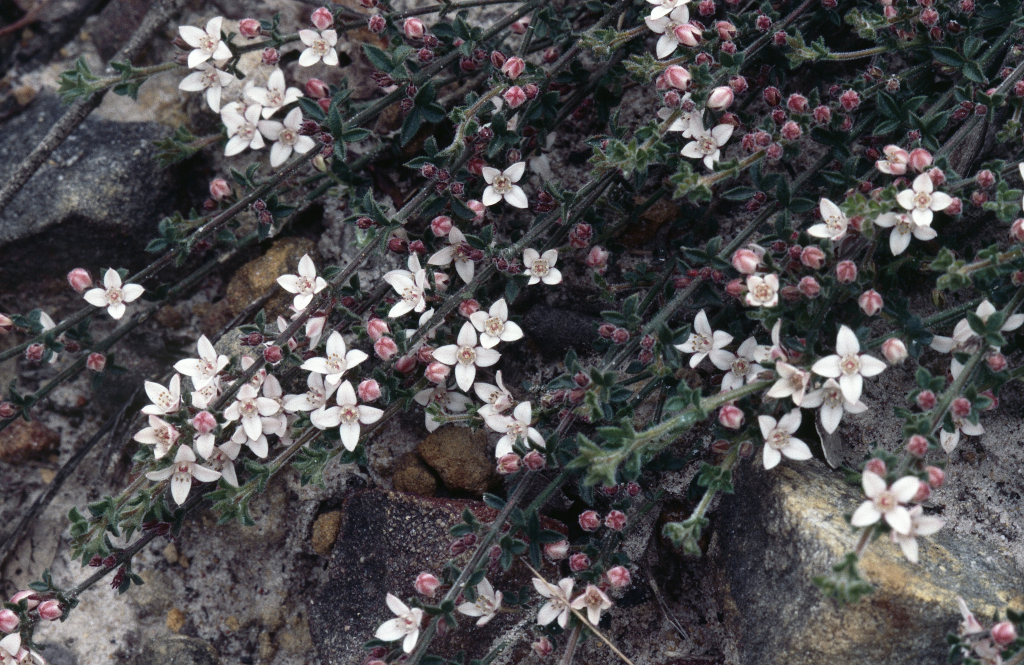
point(650, 222)
point(22, 441)
point(325, 532)
point(104, 194)
point(55, 25)
point(175, 620)
point(554, 331)
point(259, 276)
point(784, 526)
point(386, 540)
point(459, 455)
point(178, 651)
point(115, 24)
point(412, 475)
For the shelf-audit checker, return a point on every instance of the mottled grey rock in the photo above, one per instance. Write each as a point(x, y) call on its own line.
point(785, 526)
point(178, 651)
point(95, 202)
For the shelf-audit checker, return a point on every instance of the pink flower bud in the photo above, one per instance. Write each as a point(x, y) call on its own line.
point(477, 207)
point(9, 621)
point(726, 30)
point(812, 257)
point(1016, 231)
point(79, 279)
point(543, 647)
point(385, 348)
point(936, 476)
point(956, 206)
point(870, 302)
point(809, 287)
point(985, 178)
point(590, 520)
point(961, 407)
point(938, 177)
point(923, 492)
point(876, 466)
point(615, 520)
point(996, 362)
point(597, 258)
point(791, 131)
point(678, 77)
point(534, 461)
point(31, 597)
point(270, 56)
point(96, 362)
point(6, 324)
point(730, 416)
point(204, 422)
point(720, 98)
point(317, 89)
point(1003, 633)
point(619, 577)
point(34, 353)
point(368, 390)
point(849, 100)
point(513, 67)
point(738, 84)
point(578, 562)
point(8, 410)
point(273, 354)
point(405, 364)
point(917, 446)
point(50, 610)
point(736, 288)
point(822, 115)
point(919, 159)
point(249, 28)
point(557, 550)
point(426, 584)
point(745, 261)
point(437, 372)
point(322, 18)
point(620, 336)
point(926, 400)
point(846, 272)
point(520, 26)
point(508, 464)
point(377, 328)
point(413, 28)
point(441, 226)
point(469, 307)
point(376, 24)
point(797, 103)
point(515, 97)
point(687, 34)
point(894, 350)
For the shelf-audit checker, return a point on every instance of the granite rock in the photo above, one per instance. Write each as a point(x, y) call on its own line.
point(460, 457)
point(178, 651)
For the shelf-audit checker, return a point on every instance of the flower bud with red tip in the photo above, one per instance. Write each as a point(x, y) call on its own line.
point(557, 550)
point(917, 446)
point(426, 584)
point(846, 272)
point(249, 28)
point(579, 562)
point(508, 464)
point(615, 520)
point(437, 372)
point(385, 348)
point(50, 610)
point(870, 302)
point(730, 416)
point(589, 520)
point(413, 28)
point(619, 577)
point(876, 466)
point(720, 98)
point(79, 279)
point(322, 19)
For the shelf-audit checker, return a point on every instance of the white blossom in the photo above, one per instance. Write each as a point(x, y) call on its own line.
point(502, 185)
point(664, 7)
point(312, 399)
point(207, 44)
point(466, 356)
point(793, 382)
point(779, 439)
point(405, 626)
point(411, 285)
point(541, 267)
point(222, 459)
point(833, 222)
point(275, 95)
point(683, 122)
point(904, 226)
point(286, 137)
point(208, 78)
point(206, 395)
point(965, 339)
point(886, 501)
point(742, 366)
point(497, 399)
point(319, 45)
point(513, 428)
point(922, 200)
point(304, 285)
point(204, 369)
point(446, 398)
point(160, 434)
point(494, 325)
point(243, 128)
point(763, 291)
point(182, 472)
point(704, 342)
point(665, 26)
point(557, 606)
point(488, 602)
point(346, 416)
point(948, 440)
point(457, 251)
point(337, 361)
point(113, 295)
point(848, 365)
point(594, 600)
point(165, 400)
point(920, 525)
point(830, 398)
point(706, 144)
point(248, 407)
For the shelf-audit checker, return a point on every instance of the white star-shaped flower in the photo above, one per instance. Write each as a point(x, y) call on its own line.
point(742, 366)
point(557, 606)
point(793, 382)
point(886, 502)
point(494, 325)
point(497, 399)
point(222, 459)
point(286, 137)
point(319, 46)
point(541, 267)
point(337, 361)
point(248, 407)
point(160, 434)
point(762, 291)
point(347, 416)
point(113, 295)
point(405, 626)
point(920, 525)
point(304, 285)
point(446, 398)
point(488, 602)
point(704, 342)
point(243, 128)
point(275, 95)
point(833, 222)
point(948, 440)
point(466, 356)
point(848, 365)
point(595, 601)
point(182, 472)
point(665, 26)
point(502, 185)
point(665, 7)
point(706, 144)
point(830, 398)
point(513, 428)
point(965, 338)
point(165, 400)
point(683, 122)
point(922, 200)
point(903, 227)
point(457, 251)
point(207, 44)
point(312, 399)
point(203, 370)
point(411, 285)
point(208, 78)
point(779, 439)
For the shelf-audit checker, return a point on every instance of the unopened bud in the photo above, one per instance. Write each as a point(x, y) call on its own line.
point(322, 18)
point(534, 461)
point(437, 372)
point(578, 562)
point(513, 67)
point(961, 407)
point(597, 258)
point(926, 400)
point(919, 160)
point(615, 520)
point(618, 577)
point(870, 302)
point(1003, 633)
point(589, 520)
point(249, 28)
point(29, 596)
point(746, 261)
point(809, 287)
point(514, 97)
point(936, 476)
point(385, 348)
point(50, 610)
point(9, 621)
point(270, 56)
point(8, 410)
point(413, 28)
point(405, 364)
point(543, 647)
point(34, 353)
point(377, 328)
point(730, 416)
point(426, 584)
point(876, 466)
point(846, 272)
point(917, 446)
point(509, 464)
point(79, 279)
point(720, 98)
point(894, 350)
point(557, 550)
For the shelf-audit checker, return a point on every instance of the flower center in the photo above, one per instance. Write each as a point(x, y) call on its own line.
point(246, 130)
point(305, 283)
point(315, 396)
point(832, 397)
point(516, 429)
point(184, 469)
point(707, 145)
point(466, 355)
point(320, 47)
point(411, 294)
point(206, 367)
point(288, 137)
point(778, 439)
point(796, 379)
point(850, 365)
point(114, 295)
point(763, 292)
point(502, 184)
point(485, 605)
point(349, 414)
point(208, 44)
point(336, 363)
point(886, 501)
point(209, 78)
point(494, 326)
point(247, 408)
point(741, 367)
point(701, 343)
point(834, 223)
point(922, 200)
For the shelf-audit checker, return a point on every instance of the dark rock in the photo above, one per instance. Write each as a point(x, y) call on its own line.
point(116, 23)
point(55, 24)
point(94, 203)
point(178, 651)
point(58, 655)
point(22, 441)
point(783, 527)
point(386, 540)
point(460, 457)
point(412, 475)
point(554, 331)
